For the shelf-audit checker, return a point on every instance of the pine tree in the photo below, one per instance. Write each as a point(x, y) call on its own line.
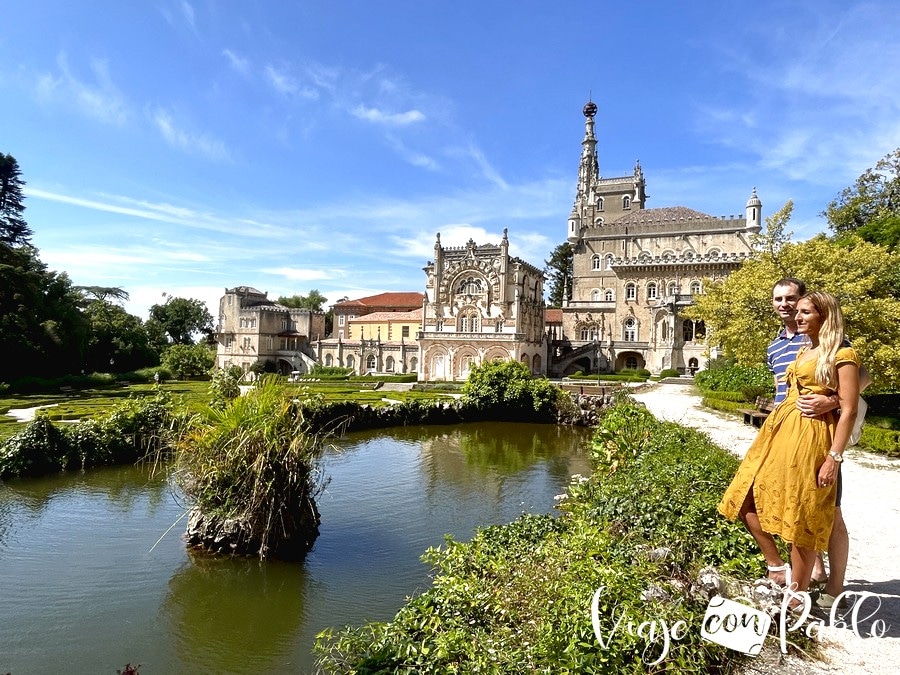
point(14, 231)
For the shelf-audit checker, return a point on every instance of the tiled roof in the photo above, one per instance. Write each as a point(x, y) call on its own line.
point(244, 289)
point(553, 315)
point(399, 300)
point(381, 317)
point(664, 214)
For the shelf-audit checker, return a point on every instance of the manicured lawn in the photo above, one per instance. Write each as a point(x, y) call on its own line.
point(84, 403)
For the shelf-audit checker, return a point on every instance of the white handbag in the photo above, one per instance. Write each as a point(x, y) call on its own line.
point(861, 409)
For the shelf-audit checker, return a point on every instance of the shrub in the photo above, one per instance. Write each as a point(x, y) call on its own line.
point(505, 390)
point(669, 372)
point(251, 471)
point(331, 372)
point(189, 360)
point(38, 449)
point(224, 385)
point(736, 378)
point(876, 439)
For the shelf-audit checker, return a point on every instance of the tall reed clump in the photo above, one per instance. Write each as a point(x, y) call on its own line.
point(251, 470)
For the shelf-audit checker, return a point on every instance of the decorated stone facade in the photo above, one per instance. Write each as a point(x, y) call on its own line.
point(481, 305)
point(635, 270)
point(253, 329)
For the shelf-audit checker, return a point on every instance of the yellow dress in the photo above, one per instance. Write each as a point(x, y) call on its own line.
point(782, 465)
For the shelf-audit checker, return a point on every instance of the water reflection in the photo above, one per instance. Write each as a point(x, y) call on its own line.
point(236, 614)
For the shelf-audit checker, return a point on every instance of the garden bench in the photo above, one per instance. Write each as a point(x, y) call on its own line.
point(758, 414)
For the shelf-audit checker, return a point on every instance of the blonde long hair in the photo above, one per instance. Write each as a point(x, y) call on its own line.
point(831, 335)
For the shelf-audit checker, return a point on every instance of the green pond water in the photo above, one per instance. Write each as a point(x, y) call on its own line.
point(90, 580)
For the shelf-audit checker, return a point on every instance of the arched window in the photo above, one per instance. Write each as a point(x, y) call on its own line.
point(329, 361)
point(389, 364)
point(536, 364)
point(631, 332)
point(651, 290)
point(631, 291)
point(595, 295)
point(351, 362)
point(595, 262)
point(414, 364)
point(673, 288)
point(696, 288)
point(609, 295)
point(370, 362)
point(599, 203)
point(470, 286)
point(468, 321)
point(626, 202)
point(609, 261)
point(631, 362)
point(598, 220)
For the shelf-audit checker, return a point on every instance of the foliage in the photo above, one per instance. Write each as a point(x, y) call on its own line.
point(870, 207)
point(129, 431)
point(314, 302)
point(181, 318)
point(669, 372)
point(864, 277)
point(560, 273)
point(189, 360)
point(42, 329)
point(330, 371)
point(409, 377)
point(255, 462)
point(40, 448)
point(14, 231)
point(876, 439)
point(736, 378)
point(516, 598)
point(225, 385)
point(506, 390)
point(118, 340)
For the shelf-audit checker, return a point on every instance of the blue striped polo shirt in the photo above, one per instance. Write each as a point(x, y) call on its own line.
point(781, 353)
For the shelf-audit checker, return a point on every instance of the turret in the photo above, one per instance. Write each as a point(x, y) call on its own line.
point(754, 212)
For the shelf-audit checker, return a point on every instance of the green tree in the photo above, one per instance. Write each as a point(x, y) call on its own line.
point(180, 319)
point(42, 328)
point(559, 272)
point(863, 276)
point(189, 360)
point(872, 199)
point(14, 231)
point(118, 340)
point(314, 302)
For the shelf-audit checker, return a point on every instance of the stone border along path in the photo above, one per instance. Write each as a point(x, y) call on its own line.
point(871, 507)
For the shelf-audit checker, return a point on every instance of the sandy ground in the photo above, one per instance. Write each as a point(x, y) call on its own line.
point(27, 414)
point(871, 507)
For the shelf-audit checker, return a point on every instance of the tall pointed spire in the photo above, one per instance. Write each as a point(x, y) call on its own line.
point(589, 168)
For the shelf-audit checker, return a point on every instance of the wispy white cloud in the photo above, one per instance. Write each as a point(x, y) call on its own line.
point(391, 119)
point(187, 12)
point(298, 274)
point(100, 100)
point(162, 212)
point(285, 84)
point(198, 144)
point(239, 63)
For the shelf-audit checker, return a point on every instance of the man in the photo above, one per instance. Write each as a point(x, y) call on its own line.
point(781, 353)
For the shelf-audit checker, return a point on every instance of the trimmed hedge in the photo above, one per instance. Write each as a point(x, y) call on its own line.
point(876, 439)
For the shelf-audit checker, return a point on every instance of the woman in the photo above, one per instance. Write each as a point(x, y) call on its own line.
point(786, 484)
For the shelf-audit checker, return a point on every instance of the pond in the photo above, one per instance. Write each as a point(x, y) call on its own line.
point(90, 579)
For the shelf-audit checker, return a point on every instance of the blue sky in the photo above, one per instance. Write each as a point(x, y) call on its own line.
point(185, 146)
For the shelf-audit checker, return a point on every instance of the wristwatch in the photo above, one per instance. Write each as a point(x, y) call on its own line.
point(836, 457)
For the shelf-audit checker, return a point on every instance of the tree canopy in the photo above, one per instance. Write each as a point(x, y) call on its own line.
point(870, 208)
point(180, 319)
point(14, 231)
point(865, 277)
point(315, 301)
point(559, 273)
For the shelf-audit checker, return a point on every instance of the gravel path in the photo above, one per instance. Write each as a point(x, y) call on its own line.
point(871, 507)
